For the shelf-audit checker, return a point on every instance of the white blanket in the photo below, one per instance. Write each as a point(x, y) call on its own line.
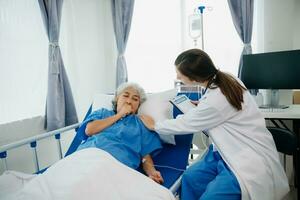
point(89, 174)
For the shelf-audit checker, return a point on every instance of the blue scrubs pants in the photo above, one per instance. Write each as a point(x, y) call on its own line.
point(210, 179)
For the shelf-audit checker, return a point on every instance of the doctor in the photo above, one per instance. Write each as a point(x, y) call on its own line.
point(242, 161)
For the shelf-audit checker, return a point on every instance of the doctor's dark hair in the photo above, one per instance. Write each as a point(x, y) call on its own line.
point(124, 86)
point(197, 66)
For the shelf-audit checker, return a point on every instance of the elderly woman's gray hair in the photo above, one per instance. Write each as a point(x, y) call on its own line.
point(126, 85)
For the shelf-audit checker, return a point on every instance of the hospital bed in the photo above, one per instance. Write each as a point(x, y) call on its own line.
point(171, 161)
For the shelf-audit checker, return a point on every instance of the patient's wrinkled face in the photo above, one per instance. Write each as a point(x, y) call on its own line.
point(129, 96)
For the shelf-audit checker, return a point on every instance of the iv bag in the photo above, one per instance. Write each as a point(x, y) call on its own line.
point(195, 26)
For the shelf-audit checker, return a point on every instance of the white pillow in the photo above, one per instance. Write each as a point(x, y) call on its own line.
point(102, 101)
point(157, 106)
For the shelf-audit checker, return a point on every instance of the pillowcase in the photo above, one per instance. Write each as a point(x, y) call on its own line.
point(102, 101)
point(157, 106)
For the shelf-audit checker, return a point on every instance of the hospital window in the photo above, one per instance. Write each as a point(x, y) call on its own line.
point(153, 44)
point(159, 33)
point(24, 52)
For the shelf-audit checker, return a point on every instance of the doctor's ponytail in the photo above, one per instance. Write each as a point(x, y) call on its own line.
point(197, 66)
point(230, 87)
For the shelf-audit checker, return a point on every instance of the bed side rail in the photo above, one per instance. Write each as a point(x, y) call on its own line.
point(32, 141)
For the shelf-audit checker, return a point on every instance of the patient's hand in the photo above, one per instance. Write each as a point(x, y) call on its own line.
point(195, 102)
point(148, 121)
point(156, 176)
point(126, 109)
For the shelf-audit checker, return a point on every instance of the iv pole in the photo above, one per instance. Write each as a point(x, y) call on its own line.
point(195, 26)
point(201, 8)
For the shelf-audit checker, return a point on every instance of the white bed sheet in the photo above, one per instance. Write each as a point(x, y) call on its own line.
point(86, 174)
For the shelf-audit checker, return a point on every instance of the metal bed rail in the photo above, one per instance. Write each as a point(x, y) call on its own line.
point(32, 141)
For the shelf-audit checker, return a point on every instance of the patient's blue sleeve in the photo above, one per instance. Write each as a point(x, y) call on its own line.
point(98, 114)
point(151, 143)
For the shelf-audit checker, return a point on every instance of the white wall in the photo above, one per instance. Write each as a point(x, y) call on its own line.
point(276, 25)
point(296, 25)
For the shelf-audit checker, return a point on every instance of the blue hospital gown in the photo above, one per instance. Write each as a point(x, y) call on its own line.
point(128, 140)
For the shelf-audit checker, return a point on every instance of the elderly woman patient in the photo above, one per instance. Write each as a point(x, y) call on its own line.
point(121, 133)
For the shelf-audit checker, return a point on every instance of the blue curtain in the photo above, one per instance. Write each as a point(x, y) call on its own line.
point(242, 16)
point(122, 14)
point(60, 107)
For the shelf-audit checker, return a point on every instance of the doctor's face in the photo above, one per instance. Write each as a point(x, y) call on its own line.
point(129, 96)
point(184, 79)
point(187, 81)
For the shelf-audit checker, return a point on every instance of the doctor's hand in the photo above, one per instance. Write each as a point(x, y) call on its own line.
point(148, 121)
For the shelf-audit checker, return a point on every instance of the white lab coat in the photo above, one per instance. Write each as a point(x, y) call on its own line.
point(242, 140)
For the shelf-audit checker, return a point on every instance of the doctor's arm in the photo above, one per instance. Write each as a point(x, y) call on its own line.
point(149, 169)
point(203, 117)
